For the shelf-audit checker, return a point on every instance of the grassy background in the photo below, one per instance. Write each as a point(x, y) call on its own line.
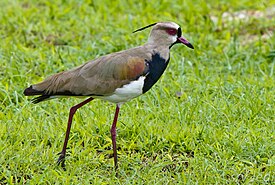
point(209, 120)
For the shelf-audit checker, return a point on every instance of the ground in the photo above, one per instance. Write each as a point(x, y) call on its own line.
point(209, 120)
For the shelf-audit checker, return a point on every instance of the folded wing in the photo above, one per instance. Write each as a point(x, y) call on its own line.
point(100, 77)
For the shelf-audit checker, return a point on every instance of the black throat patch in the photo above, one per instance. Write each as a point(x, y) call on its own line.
point(156, 68)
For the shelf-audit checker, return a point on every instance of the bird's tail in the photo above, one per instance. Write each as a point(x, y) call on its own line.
point(32, 92)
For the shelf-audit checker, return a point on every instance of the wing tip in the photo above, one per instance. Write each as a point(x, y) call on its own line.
point(32, 92)
point(40, 98)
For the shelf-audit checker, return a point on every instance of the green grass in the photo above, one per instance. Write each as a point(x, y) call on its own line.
point(209, 120)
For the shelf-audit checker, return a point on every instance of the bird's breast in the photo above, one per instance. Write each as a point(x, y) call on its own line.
point(157, 66)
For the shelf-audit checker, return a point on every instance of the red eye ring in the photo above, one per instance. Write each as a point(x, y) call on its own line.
point(171, 31)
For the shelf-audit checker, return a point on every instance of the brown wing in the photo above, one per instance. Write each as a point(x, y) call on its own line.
point(99, 77)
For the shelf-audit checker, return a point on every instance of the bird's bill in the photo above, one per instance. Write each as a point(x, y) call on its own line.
point(185, 42)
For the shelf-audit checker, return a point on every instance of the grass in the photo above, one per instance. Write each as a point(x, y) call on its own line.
point(209, 120)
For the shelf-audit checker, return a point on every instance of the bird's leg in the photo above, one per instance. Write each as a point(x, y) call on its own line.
point(61, 159)
point(113, 134)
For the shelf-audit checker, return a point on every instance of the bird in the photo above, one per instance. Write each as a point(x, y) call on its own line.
point(116, 77)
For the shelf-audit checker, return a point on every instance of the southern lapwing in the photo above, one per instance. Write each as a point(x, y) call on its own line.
point(117, 77)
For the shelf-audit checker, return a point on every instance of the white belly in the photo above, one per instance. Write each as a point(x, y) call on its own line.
point(127, 92)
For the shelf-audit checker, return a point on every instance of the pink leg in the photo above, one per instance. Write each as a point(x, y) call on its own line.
point(61, 159)
point(113, 133)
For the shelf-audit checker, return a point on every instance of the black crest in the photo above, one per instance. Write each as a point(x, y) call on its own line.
point(140, 29)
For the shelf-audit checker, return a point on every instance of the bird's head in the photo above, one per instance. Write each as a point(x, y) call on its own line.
point(166, 33)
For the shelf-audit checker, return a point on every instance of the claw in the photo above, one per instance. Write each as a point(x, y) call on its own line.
point(61, 160)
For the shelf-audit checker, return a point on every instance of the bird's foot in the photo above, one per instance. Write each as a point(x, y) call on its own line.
point(61, 160)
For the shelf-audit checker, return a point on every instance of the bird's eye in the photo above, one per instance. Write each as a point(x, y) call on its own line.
point(171, 31)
